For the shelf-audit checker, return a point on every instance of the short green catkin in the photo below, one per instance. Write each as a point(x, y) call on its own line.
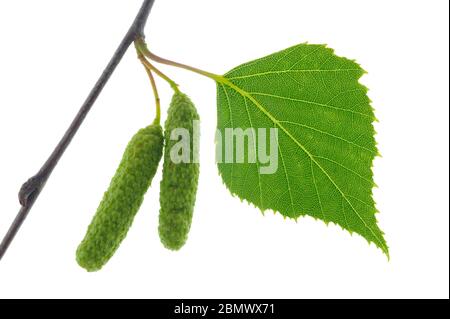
point(123, 198)
point(179, 182)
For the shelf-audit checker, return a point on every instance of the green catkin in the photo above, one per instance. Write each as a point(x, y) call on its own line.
point(179, 182)
point(123, 198)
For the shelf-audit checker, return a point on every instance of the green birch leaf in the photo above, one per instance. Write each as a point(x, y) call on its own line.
point(326, 143)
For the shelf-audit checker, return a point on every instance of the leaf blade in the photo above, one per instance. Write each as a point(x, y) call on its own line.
point(326, 145)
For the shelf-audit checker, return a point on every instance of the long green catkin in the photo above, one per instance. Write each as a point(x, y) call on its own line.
point(179, 181)
point(123, 198)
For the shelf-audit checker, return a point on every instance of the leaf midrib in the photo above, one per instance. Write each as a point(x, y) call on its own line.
point(245, 94)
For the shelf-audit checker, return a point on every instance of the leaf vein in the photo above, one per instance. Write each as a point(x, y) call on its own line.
point(344, 167)
point(232, 125)
point(330, 134)
point(287, 180)
point(309, 102)
point(291, 71)
point(345, 216)
point(317, 191)
point(256, 152)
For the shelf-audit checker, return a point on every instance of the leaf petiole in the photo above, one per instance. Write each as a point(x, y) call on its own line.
point(143, 48)
point(149, 66)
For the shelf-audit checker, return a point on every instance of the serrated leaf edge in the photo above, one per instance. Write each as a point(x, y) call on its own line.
point(223, 80)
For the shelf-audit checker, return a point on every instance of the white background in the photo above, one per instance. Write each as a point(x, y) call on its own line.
point(52, 52)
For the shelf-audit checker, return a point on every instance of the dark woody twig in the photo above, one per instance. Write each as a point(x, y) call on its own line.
point(33, 187)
